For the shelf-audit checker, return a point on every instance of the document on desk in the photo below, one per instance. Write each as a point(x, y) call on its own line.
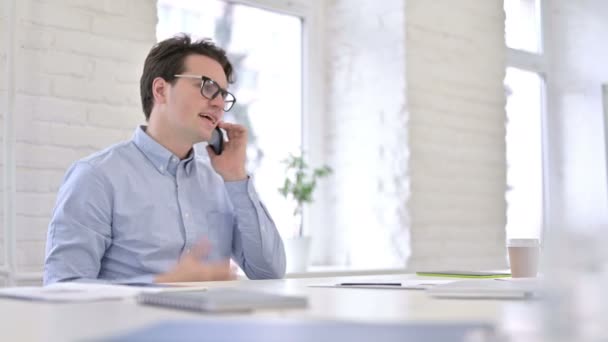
point(488, 289)
point(388, 285)
point(75, 292)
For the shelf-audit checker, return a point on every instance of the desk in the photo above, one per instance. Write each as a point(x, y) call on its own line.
point(36, 321)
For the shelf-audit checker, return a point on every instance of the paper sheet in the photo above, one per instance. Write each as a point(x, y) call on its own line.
point(488, 289)
point(75, 292)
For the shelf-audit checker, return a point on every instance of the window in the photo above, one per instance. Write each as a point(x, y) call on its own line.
point(266, 50)
point(522, 25)
point(524, 153)
point(525, 86)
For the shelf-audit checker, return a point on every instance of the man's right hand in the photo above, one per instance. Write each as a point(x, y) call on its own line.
point(191, 268)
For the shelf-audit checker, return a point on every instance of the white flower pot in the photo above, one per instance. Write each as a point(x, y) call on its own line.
point(297, 253)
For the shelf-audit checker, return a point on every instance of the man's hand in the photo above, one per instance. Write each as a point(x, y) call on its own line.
point(231, 163)
point(191, 268)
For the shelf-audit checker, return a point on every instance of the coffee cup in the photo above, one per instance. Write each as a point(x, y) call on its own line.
point(524, 255)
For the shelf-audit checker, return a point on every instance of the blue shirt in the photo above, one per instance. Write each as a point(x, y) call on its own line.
point(127, 213)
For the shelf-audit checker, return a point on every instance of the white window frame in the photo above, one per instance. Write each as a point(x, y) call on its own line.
point(539, 63)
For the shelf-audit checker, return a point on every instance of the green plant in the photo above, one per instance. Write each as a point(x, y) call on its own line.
point(300, 182)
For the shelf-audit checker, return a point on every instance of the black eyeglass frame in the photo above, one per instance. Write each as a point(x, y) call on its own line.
point(228, 97)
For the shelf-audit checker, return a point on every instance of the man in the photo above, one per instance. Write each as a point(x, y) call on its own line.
point(148, 210)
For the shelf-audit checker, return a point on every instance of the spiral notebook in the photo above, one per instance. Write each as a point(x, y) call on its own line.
point(222, 300)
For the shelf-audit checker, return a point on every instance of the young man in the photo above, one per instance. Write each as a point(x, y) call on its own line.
point(148, 210)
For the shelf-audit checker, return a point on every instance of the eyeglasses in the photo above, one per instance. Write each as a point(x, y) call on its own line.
point(210, 90)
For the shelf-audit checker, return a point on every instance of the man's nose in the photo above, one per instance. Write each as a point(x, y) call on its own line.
point(217, 101)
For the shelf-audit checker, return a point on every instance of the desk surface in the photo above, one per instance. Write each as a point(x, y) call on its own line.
point(37, 321)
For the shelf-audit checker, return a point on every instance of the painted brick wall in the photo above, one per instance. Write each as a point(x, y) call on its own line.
point(78, 68)
point(455, 66)
point(417, 126)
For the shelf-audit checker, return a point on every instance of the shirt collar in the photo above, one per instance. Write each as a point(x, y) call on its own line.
point(160, 156)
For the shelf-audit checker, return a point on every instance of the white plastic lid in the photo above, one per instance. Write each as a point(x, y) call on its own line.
point(523, 243)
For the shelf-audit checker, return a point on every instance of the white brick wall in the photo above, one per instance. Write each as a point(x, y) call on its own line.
point(417, 130)
point(78, 69)
point(455, 69)
point(578, 54)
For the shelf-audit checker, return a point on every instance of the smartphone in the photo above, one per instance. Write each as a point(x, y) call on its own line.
point(217, 141)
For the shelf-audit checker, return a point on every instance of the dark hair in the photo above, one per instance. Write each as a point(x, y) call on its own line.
point(166, 59)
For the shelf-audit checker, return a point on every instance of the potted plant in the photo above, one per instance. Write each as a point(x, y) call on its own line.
point(299, 186)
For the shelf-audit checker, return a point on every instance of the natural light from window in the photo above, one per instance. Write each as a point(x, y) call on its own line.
point(522, 25)
point(524, 153)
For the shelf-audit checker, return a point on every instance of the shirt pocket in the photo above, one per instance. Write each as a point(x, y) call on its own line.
point(220, 230)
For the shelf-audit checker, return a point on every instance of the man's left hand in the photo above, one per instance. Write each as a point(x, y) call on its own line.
point(230, 164)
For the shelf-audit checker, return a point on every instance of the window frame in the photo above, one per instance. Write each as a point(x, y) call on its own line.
point(311, 12)
point(539, 63)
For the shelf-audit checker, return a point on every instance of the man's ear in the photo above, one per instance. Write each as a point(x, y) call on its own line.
point(159, 90)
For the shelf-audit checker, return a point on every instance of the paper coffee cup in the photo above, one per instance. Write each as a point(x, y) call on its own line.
point(524, 255)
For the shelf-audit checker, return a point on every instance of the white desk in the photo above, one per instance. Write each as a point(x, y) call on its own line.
point(36, 321)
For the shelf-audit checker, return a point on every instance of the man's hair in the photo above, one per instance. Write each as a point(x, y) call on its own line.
point(166, 59)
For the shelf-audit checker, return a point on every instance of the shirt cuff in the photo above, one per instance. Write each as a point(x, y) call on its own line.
point(237, 187)
point(242, 192)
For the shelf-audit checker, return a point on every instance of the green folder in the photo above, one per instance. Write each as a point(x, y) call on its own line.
point(465, 274)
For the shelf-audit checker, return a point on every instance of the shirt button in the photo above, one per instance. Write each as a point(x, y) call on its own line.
point(173, 159)
point(187, 215)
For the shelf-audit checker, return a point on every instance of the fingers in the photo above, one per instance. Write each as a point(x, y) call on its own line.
point(193, 267)
point(233, 130)
point(217, 270)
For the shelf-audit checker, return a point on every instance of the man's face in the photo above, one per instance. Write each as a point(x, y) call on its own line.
point(189, 114)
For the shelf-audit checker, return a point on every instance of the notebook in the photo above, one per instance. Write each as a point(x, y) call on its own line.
point(465, 274)
point(487, 289)
point(222, 300)
point(302, 330)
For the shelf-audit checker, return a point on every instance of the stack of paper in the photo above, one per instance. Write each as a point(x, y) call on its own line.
point(488, 289)
point(75, 292)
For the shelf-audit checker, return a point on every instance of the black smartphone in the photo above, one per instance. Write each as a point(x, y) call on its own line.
point(217, 141)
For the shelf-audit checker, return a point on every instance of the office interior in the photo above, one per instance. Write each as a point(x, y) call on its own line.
point(450, 127)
